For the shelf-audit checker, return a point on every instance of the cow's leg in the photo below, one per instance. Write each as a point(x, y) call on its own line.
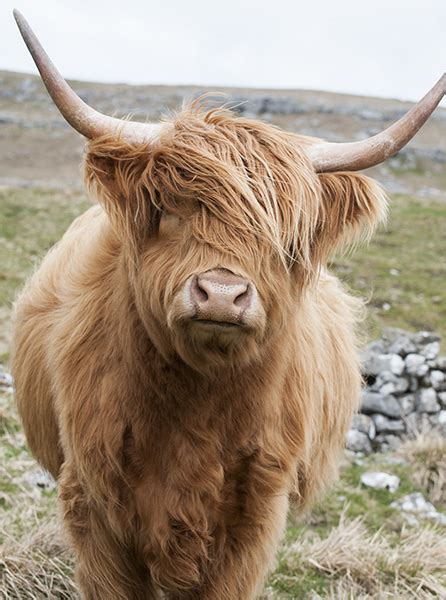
point(248, 554)
point(107, 567)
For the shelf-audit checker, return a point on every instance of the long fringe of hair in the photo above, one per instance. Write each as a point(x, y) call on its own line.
point(248, 176)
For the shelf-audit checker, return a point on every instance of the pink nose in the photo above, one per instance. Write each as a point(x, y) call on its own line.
point(220, 295)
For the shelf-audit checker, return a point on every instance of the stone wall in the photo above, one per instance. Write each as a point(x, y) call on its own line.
point(405, 391)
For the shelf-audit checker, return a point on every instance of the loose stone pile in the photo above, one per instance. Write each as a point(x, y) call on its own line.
point(405, 391)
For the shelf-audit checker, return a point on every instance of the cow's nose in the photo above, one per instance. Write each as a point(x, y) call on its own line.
point(221, 296)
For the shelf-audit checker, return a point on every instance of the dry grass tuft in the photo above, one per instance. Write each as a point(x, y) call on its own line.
point(366, 565)
point(347, 550)
point(427, 455)
point(37, 566)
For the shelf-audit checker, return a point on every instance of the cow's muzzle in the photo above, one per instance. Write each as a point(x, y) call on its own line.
point(221, 299)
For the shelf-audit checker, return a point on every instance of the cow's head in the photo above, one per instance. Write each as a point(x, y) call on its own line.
point(225, 225)
point(225, 222)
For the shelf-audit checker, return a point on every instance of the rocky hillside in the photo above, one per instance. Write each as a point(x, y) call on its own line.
point(36, 146)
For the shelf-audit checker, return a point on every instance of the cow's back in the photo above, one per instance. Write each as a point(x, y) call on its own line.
point(38, 308)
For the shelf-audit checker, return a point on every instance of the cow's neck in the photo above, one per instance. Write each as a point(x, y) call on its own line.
point(176, 383)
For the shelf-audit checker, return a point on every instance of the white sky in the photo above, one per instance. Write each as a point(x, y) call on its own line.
point(394, 48)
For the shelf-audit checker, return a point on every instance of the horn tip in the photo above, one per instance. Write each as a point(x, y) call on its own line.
point(20, 19)
point(17, 14)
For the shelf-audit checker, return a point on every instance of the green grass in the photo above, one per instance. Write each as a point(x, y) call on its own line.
point(284, 585)
point(31, 221)
point(403, 271)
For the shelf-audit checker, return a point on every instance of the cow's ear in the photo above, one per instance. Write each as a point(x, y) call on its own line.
point(351, 207)
point(114, 171)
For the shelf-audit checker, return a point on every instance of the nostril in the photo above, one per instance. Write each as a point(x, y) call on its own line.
point(242, 300)
point(199, 292)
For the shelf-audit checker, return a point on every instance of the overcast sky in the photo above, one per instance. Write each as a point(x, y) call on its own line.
point(394, 48)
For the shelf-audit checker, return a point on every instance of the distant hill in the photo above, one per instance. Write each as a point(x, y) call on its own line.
point(36, 145)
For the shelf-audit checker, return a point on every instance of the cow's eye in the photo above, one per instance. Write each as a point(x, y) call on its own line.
point(169, 223)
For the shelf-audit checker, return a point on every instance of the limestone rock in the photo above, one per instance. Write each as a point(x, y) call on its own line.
point(398, 342)
point(438, 421)
point(374, 364)
point(437, 378)
point(416, 504)
point(426, 401)
point(415, 365)
point(358, 441)
point(380, 481)
point(388, 383)
point(36, 478)
point(5, 379)
point(417, 423)
point(385, 425)
point(431, 350)
point(364, 424)
point(374, 402)
point(387, 441)
point(407, 403)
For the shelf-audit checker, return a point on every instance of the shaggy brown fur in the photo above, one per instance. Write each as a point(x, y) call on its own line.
point(176, 454)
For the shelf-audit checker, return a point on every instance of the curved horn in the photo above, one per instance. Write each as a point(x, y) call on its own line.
point(79, 115)
point(353, 156)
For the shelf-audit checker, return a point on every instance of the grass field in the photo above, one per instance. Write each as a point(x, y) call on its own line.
point(354, 544)
point(403, 271)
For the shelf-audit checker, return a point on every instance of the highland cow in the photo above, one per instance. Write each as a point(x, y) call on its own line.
point(184, 364)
